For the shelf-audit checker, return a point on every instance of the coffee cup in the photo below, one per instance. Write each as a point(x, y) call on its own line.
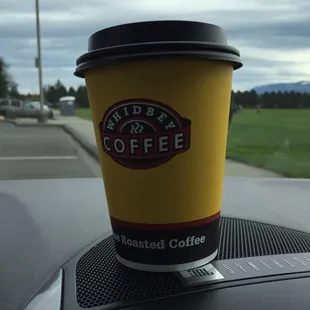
point(159, 93)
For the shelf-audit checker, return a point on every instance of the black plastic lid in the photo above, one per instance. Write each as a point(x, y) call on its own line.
point(157, 39)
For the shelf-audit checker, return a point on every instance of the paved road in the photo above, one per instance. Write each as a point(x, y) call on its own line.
point(42, 152)
point(84, 131)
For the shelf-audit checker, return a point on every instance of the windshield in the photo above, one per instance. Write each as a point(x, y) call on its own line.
point(34, 104)
point(174, 132)
point(267, 116)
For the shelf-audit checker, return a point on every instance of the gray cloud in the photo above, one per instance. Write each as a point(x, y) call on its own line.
point(65, 38)
point(249, 61)
point(290, 34)
point(256, 71)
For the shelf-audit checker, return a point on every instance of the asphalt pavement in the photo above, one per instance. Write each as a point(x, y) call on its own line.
point(37, 152)
point(43, 142)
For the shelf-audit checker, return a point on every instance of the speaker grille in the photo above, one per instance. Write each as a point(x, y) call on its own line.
point(241, 238)
point(102, 281)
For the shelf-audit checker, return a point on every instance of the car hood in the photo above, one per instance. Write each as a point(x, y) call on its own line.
point(45, 222)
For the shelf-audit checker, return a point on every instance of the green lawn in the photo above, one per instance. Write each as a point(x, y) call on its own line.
point(84, 113)
point(278, 140)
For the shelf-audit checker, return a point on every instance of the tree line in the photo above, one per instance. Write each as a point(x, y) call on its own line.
point(8, 87)
point(246, 99)
point(52, 93)
point(271, 100)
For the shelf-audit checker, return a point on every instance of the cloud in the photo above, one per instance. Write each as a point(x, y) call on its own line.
point(273, 36)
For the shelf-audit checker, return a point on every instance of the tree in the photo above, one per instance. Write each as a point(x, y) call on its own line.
point(52, 93)
point(279, 100)
point(81, 97)
point(8, 87)
point(60, 89)
point(292, 100)
point(238, 98)
point(304, 101)
point(71, 92)
point(4, 79)
point(13, 91)
point(245, 102)
point(252, 99)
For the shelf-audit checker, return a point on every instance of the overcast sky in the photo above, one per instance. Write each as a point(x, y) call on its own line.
point(273, 36)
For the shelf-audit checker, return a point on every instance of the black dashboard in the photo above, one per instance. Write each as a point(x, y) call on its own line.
point(57, 251)
point(284, 294)
point(93, 279)
point(246, 274)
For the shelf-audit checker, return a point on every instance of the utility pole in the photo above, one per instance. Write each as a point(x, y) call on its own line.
point(41, 118)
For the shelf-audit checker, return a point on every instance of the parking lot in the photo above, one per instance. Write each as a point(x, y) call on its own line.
point(37, 152)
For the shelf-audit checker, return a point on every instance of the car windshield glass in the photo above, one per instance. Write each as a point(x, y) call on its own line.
point(4, 103)
point(35, 104)
point(27, 105)
point(147, 104)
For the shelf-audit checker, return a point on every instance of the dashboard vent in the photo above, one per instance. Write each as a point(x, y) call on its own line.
point(102, 281)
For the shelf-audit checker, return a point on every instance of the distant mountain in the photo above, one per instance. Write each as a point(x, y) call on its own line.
point(300, 87)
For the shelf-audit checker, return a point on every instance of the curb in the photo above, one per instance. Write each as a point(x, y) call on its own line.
point(92, 150)
point(8, 121)
point(30, 124)
point(243, 162)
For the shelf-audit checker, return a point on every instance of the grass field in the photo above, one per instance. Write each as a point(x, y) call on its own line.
point(277, 140)
point(84, 113)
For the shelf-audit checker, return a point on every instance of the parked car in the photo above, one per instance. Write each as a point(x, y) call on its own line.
point(36, 105)
point(7, 103)
point(49, 104)
point(26, 109)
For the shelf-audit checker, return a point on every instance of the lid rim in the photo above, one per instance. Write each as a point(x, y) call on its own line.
point(83, 67)
point(207, 46)
point(153, 39)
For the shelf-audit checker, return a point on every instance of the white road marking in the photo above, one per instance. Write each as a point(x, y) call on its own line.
point(38, 158)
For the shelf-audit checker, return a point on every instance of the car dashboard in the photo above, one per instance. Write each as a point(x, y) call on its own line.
point(248, 273)
point(57, 251)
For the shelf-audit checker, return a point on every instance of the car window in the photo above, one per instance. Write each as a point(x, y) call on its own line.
point(16, 103)
point(27, 105)
point(35, 104)
point(4, 102)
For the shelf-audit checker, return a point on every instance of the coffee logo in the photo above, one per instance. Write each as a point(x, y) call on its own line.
point(143, 134)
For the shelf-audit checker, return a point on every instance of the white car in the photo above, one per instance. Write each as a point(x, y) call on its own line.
point(30, 109)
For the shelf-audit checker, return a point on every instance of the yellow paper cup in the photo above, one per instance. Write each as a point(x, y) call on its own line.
point(160, 94)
